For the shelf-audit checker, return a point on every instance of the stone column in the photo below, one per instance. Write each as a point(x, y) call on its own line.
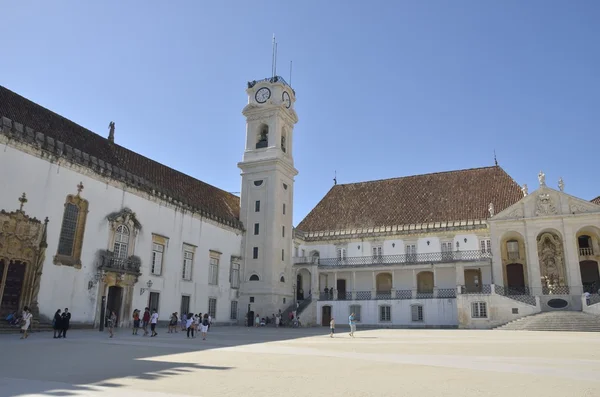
point(414, 284)
point(533, 263)
point(335, 290)
point(353, 285)
point(571, 258)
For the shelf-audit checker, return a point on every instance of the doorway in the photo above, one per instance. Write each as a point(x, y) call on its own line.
point(251, 318)
point(325, 315)
point(153, 301)
point(12, 279)
point(341, 289)
point(515, 279)
point(590, 277)
point(299, 290)
point(473, 280)
point(113, 303)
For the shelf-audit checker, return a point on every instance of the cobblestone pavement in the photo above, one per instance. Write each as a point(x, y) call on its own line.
point(237, 361)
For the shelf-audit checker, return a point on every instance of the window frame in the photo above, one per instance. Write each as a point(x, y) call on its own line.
point(213, 270)
point(234, 276)
point(74, 259)
point(233, 314)
point(419, 317)
point(257, 206)
point(155, 251)
point(388, 315)
point(212, 312)
point(255, 253)
point(479, 310)
point(357, 314)
point(485, 246)
point(188, 269)
point(256, 229)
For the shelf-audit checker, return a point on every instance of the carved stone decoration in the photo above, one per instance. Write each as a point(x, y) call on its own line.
point(551, 257)
point(525, 190)
point(124, 216)
point(545, 205)
point(542, 178)
point(515, 214)
point(561, 184)
point(491, 209)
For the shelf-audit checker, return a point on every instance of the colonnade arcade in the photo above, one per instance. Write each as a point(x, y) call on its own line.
point(22, 253)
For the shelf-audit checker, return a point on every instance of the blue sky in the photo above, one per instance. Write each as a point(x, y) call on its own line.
point(384, 88)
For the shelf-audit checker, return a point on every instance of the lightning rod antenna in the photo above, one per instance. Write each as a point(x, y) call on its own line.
point(273, 58)
point(290, 73)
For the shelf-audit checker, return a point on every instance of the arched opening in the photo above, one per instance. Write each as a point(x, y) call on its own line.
point(590, 276)
point(114, 301)
point(383, 285)
point(473, 280)
point(254, 277)
point(552, 263)
point(303, 284)
point(12, 279)
point(585, 245)
point(121, 245)
point(314, 257)
point(263, 136)
point(425, 282)
point(282, 279)
point(515, 277)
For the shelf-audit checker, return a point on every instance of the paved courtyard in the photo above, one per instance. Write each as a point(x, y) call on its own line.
point(237, 361)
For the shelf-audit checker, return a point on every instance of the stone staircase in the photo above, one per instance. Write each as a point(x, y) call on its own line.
point(556, 321)
point(5, 328)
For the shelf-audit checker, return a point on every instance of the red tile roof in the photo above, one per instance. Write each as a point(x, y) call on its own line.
point(596, 200)
point(143, 172)
point(438, 197)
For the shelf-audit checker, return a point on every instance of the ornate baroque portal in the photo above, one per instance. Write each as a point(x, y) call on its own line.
point(22, 253)
point(552, 264)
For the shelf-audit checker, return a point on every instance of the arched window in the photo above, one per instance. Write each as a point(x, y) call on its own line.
point(512, 249)
point(283, 141)
point(254, 277)
point(72, 231)
point(121, 242)
point(263, 136)
point(282, 279)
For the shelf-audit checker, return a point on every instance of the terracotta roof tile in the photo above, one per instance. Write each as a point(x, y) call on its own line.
point(178, 185)
point(596, 200)
point(438, 197)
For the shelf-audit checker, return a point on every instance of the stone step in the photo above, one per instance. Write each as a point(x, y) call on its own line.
point(556, 321)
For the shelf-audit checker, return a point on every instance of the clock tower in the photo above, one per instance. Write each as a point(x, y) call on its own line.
point(267, 193)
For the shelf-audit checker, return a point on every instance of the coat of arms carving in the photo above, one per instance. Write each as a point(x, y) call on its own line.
point(545, 205)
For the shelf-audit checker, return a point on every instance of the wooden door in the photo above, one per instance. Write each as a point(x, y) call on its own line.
point(473, 280)
point(325, 316)
point(590, 277)
point(13, 285)
point(341, 288)
point(515, 278)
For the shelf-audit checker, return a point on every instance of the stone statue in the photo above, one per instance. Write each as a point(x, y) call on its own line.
point(491, 209)
point(525, 190)
point(542, 178)
point(561, 184)
point(111, 131)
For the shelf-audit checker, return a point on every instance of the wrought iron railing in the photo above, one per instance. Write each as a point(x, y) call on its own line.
point(556, 290)
point(363, 295)
point(521, 294)
point(126, 265)
point(399, 259)
point(484, 289)
point(404, 294)
point(593, 299)
point(383, 295)
point(446, 293)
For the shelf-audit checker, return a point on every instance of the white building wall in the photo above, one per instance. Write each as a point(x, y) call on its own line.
point(47, 186)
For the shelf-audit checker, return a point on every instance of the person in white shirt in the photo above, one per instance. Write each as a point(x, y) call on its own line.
point(153, 321)
point(190, 324)
point(209, 321)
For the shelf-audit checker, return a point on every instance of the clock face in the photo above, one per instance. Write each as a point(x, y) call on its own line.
point(286, 99)
point(263, 95)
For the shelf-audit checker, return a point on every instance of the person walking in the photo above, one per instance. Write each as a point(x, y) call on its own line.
point(66, 322)
point(189, 324)
point(332, 327)
point(153, 321)
point(27, 317)
point(173, 323)
point(136, 321)
point(146, 320)
point(111, 321)
point(204, 327)
point(56, 324)
point(352, 324)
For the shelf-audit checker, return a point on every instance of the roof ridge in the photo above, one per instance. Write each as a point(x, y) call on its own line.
point(421, 175)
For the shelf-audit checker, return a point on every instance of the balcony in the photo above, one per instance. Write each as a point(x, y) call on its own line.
point(588, 251)
point(130, 265)
point(398, 259)
point(394, 294)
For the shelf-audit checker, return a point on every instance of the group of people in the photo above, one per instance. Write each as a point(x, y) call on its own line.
point(61, 323)
point(191, 323)
point(24, 320)
point(146, 319)
point(276, 319)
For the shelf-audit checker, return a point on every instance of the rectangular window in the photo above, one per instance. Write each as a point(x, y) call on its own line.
point(416, 312)
point(283, 208)
point(256, 229)
point(188, 262)
point(257, 206)
point(255, 253)
point(185, 305)
point(377, 251)
point(213, 271)
point(282, 255)
point(282, 231)
point(157, 258)
point(411, 252)
point(235, 276)
point(341, 254)
point(478, 310)
point(68, 229)
point(153, 301)
point(356, 310)
point(447, 250)
point(513, 249)
point(485, 246)
point(212, 307)
point(234, 310)
point(385, 313)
